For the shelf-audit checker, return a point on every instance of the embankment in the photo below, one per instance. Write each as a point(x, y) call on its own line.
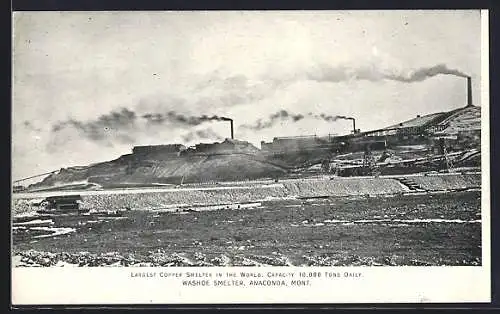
point(151, 200)
point(448, 182)
point(343, 187)
point(165, 199)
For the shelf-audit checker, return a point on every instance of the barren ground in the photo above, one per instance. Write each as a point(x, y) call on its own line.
point(432, 229)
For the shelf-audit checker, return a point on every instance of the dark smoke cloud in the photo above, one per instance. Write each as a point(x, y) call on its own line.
point(327, 73)
point(328, 118)
point(122, 126)
point(281, 115)
point(284, 115)
point(100, 129)
point(174, 117)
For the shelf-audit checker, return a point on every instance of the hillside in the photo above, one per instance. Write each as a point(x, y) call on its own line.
point(144, 169)
point(217, 167)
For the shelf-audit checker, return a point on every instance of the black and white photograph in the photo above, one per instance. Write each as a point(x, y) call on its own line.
point(256, 139)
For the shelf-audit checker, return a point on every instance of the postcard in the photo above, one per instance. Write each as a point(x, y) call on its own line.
point(250, 157)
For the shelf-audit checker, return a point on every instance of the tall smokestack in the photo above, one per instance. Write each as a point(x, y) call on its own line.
point(232, 129)
point(469, 91)
point(230, 121)
point(354, 125)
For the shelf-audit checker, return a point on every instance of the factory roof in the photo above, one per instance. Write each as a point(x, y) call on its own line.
point(465, 119)
point(424, 121)
point(295, 137)
point(465, 112)
point(160, 146)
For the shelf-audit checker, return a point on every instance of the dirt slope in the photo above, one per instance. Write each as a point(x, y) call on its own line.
point(202, 168)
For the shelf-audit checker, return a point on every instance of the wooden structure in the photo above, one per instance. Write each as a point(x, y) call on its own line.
point(63, 203)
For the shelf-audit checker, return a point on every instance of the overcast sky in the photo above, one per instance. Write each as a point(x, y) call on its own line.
point(72, 70)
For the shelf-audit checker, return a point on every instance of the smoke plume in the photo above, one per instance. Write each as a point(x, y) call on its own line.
point(328, 118)
point(124, 125)
point(284, 115)
point(115, 121)
point(279, 116)
point(424, 73)
point(178, 118)
point(327, 73)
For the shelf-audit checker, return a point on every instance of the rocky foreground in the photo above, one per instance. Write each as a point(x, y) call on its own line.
point(162, 259)
point(433, 229)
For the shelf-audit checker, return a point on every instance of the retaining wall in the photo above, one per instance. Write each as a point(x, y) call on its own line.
point(448, 182)
point(292, 188)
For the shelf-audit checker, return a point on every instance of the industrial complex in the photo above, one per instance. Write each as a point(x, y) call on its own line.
point(439, 141)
